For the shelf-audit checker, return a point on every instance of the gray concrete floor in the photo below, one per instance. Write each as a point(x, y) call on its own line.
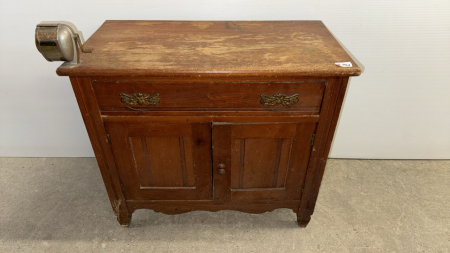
point(60, 205)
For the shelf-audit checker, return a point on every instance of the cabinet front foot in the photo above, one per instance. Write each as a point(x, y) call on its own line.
point(124, 218)
point(303, 221)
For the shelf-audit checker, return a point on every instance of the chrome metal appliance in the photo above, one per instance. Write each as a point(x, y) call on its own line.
point(60, 41)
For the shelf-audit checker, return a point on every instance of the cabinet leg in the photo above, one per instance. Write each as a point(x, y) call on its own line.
point(303, 221)
point(124, 218)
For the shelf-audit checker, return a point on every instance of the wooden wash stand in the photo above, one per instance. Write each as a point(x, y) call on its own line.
point(199, 115)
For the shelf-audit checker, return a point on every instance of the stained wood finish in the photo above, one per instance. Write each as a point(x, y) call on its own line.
point(210, 145)
point(268, 160)
point(97, 135)
point(177, 207)
point(213, 79)
point(208, 117)
point(221, 134)
point(163, 161)
point(326, 128)
point(213, 48)
point(211, 95)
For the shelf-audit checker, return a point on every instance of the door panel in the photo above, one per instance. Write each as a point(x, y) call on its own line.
point(151, 153)
point(256, 167)
point(268, 161)
point(163, 161)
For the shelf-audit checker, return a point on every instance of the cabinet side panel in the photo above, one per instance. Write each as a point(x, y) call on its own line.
point(299, 159)
point(97, 136)
point(327, 124)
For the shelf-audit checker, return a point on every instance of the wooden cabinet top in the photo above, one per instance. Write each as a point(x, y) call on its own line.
point(212, 48)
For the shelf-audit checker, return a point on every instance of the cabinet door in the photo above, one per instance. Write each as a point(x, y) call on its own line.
point(163, 161)
point(261, 161)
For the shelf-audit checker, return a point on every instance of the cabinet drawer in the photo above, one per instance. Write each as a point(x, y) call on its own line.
point(305, 96)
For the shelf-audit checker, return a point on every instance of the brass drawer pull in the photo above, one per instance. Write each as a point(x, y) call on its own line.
point(279, 100)
point(140, 99)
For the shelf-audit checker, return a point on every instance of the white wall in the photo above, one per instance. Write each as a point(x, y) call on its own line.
point(398, 108)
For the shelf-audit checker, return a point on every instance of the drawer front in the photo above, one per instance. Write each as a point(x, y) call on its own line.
point(125, 96)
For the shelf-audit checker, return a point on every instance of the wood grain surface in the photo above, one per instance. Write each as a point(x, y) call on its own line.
point(212, 143)
point(213, 48)
point(178, 96)
point(163, 161)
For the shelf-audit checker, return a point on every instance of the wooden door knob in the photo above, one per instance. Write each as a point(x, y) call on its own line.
point(222, 169)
